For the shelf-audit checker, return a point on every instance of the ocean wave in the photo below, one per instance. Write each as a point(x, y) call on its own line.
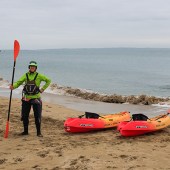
point(95, 96)
point(165, 87)
point(4, 83)
point(163, 104)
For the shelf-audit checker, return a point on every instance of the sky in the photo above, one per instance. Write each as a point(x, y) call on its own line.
point(53, 24)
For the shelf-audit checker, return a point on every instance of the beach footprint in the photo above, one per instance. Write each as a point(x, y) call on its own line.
point(78, 163)
point(2, 161)
point(36, 167)
point(18, 159)
point(43, 154)
point(59, 152)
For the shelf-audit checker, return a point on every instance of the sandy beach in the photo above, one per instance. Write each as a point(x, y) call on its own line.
point(60, 150)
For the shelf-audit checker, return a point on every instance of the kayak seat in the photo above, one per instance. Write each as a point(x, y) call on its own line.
point(140, 117)
point(91, 115)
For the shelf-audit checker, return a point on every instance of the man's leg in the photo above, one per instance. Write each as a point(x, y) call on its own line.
point(37, 107)
point(26, 107)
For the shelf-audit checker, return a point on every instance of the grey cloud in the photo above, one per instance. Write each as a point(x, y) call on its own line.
point(84, 23)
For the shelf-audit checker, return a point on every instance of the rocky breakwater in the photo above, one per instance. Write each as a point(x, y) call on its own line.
point(132, 99)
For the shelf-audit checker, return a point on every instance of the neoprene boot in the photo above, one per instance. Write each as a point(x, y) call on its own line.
point(39, 134)
point(25, 131)
point(39, 131)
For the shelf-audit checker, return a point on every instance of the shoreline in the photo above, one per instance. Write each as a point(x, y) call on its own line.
point(140, 99)
point(61, 150)
point(82, 105)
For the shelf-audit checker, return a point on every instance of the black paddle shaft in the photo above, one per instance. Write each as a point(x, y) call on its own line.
point(9, 108)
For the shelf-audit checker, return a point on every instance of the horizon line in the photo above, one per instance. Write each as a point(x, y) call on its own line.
point(91, 48)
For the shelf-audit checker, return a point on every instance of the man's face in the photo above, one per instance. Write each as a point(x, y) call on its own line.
point(32, 68)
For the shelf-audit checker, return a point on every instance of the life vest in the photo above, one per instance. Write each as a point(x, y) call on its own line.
point(30, 87)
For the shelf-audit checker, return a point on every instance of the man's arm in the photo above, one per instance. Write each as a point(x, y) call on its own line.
point(18, 83)
point(47, 80)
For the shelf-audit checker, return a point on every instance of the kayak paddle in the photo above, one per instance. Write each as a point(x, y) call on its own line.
point(16, 52)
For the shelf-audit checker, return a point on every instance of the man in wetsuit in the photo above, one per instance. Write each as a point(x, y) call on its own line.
point(31, 96)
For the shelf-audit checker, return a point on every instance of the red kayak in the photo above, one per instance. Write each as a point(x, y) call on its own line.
point(93, 121)
point(141, 124)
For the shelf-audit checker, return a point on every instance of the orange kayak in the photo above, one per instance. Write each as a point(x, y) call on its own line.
point(141, 124)
point(93, 121)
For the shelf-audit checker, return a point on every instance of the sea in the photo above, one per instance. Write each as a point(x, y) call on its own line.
point(121, 71)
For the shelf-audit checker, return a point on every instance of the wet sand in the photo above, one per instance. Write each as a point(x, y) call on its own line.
point(61, 150)
point(83, 105)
